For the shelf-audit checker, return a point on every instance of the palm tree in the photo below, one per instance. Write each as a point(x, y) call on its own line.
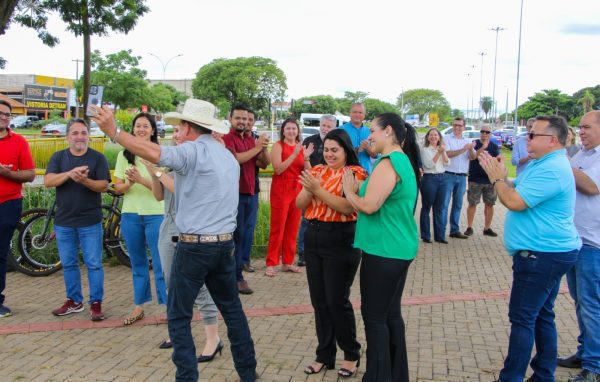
point(486, 105)
point(587, 100)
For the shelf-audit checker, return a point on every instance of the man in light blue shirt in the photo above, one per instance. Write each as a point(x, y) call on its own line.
point(520, 156)
point(540, 236)
point(584, 277)
point(359, 134)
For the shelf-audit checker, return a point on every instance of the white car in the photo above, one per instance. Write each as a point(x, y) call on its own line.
point(448, 130)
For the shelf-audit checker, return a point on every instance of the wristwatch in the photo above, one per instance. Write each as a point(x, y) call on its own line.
point(158, 174)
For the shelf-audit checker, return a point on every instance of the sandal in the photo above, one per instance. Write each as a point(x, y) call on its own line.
point(311, 370)
point(290, 268)
point(345, 373)
point(270, 272)
point(131, 320)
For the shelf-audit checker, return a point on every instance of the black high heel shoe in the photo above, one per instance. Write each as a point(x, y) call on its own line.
point(325, 366)
point(345, 373)
point(208, 358)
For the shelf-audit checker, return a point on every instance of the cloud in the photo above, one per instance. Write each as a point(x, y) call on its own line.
point(582, 29)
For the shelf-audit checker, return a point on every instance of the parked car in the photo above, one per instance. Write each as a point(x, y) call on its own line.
point(308, 131)
point(161, 127)
point(471, 135)
point(54, 129)
point(24, 121)
point(448, 130)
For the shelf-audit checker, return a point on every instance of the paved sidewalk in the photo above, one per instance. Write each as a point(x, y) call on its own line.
point(455, 307)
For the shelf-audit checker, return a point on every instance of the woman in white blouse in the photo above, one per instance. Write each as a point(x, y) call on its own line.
point(433, 187)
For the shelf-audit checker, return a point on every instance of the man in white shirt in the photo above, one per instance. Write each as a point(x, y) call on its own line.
point(458, 149)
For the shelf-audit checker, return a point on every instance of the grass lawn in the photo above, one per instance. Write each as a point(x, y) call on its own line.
point(512, 170)
point(30, 131)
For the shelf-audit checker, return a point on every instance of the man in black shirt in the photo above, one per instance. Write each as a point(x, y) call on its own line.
point(327, 123)
point(80, 175)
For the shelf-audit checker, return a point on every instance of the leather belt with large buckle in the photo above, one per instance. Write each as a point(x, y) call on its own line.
point(194, 238)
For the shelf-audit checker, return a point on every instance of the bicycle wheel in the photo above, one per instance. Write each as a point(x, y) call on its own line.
point(15, 260)
point(38, 246)
point(113, 241)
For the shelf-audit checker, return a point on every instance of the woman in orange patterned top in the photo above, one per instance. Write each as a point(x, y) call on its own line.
point(331, 259)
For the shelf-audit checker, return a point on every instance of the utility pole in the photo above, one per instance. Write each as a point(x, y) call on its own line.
point(518, 67)
point(76, 61)
point(467, 108)
point(506, 112)
point(472, 92)
point(480, 85)
point(497, 30)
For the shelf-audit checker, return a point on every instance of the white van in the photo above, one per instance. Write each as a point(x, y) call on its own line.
point(313, 120)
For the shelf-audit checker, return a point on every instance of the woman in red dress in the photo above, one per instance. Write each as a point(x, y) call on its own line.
point(289, 158)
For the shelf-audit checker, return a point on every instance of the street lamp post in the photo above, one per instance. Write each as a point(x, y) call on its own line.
point(164, 65)
point(497, 30)
point(518, 68)
point(480, 85)
point(472, 92)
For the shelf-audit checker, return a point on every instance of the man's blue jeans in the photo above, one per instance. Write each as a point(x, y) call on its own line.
point(301, 232)
point(213, 264)
point(433, 194)
point(456, 187)
point(536, 279)
point(249, 234)
point(68, 241)
point(584, 287)
point(243, 229)
point(10, 212)
point(140, 231)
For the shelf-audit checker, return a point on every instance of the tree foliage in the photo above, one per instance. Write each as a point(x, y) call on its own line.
point(253, 81)
point(320, 104)
point(486, 105)
point(376, 106)
point(587, 101)
point(84, 18)
point(549, 102)
point(164, 97)
point(423, 101)
point(345, 103)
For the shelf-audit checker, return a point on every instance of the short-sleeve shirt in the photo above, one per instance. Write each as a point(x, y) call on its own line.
point(357, 136)
point(317, 155)
point(547, 186)
point(138, 199)
point(587, 207)
point(14, 153)
point(519, 152)
point(207, 179)
point(331, 181)
point(391, 231)
point(476, 172)
point(238, 144)
point(77, 205)
point(459, 164)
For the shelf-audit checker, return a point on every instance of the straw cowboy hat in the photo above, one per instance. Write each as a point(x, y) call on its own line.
point(199, 112)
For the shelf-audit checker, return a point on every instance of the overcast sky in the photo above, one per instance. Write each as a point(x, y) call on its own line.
point(332, 46)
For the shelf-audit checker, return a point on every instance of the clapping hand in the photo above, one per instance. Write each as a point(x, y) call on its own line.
point(133, 175)
point(441, 148)
point(493, 167)
point(349, 182)
point(309, 182)
point(308, 150)
point(262, 140)
point(79, 174)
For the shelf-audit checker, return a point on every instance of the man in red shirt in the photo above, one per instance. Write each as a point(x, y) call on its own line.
point(16, 168)
point(246, 150)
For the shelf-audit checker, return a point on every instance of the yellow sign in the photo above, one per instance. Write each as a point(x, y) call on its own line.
point(434, 120)
point(45, 105)
point(54, 81)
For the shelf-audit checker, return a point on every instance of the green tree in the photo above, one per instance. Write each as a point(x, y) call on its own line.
point(376, 106)
point(486, 105)
point(423, 101)
point(84, 18)
point(163, 98)
point(549, 102)
point(587, 101)
point(125, 84)
point(345, 103)
point(320, 104)
point(594, 90)
point(253, 81)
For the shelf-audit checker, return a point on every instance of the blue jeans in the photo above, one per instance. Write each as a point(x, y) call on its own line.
point(241, 233)
point(584, 287)
point(10, 212)
point(433, 194)
point(301, 231)
point(536, 279)
point(249, 235)
point(68, 241)
point(213, 264)
point(139, 231)
point(456, 187)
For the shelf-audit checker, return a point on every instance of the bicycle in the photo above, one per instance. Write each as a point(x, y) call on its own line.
point(36, 241)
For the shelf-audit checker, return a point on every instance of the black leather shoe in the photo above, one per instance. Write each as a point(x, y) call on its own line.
point(301, 260)
point(489, 232)
point(570, 362)
point(441, 241)
point(458, 235)
point(585, 376)
point(427, 241)
point(469, 231)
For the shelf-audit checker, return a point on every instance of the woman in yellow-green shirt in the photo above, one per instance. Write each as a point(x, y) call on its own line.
point(141, 217)
point(386, 232)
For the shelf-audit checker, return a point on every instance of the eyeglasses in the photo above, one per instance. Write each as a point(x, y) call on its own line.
point(485, 132)
point(5, 115)
point(533, 135)
point(457, 125)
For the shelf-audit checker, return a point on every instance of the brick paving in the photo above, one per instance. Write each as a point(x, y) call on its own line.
point(455, 307)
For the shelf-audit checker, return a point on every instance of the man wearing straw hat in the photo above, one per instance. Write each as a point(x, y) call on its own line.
point(206, 193)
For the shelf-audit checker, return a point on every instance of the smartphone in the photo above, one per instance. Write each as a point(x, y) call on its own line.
point(94, 98)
